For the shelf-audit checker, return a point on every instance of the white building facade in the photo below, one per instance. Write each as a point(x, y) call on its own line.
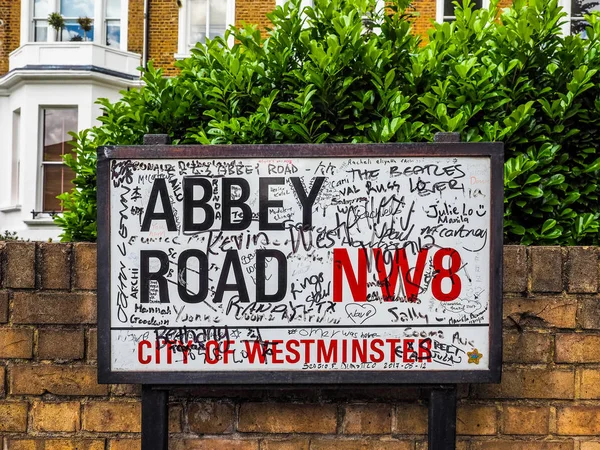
point(53, 81)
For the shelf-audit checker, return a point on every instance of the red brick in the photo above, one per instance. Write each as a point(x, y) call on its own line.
point(84, 266)
point(10, 31)
point(530, 383)
point(55, 379)
point(54, 264)
point(577, 348)
point(515, 268)
point(13, 416)
point(164, 35)
point(546, 269)
point(19, 265)
point(54, 308)
point(16, 342)
point(3, 306)
point(116, 417)
point(578, 420)
point(60, 344)
point(135, 27)
point(527, 348)
point(368, 419)
point(211, 418)
point(62, 416)
point(287, 418)
point(582, 269)
point(213, 444)
point(541, 312)
point(532, 420)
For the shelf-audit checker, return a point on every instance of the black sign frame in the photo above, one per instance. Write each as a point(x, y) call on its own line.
point(493, 151)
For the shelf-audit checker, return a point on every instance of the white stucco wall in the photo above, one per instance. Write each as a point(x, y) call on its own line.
point(30, 97)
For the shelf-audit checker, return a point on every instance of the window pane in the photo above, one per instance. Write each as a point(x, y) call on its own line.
point(57, 179)
point(57, 124)
point(449, 6)
point(41, 8)
point(113, 33)
point(74, 32)
point(113, 9)
point(217, 18)
point(77, 8)
point(581, 7)
point(197, 11)
point(40, 33)
point(578, 27)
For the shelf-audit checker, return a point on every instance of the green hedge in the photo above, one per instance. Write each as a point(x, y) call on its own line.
point(343, 72)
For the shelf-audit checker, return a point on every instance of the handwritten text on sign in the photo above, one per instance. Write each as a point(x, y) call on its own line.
point(300, 264)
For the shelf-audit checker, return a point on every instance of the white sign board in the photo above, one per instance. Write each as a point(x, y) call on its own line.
point(300, 264)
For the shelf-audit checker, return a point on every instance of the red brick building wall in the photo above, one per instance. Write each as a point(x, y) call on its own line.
point(10, 29)
point(164, 26)
point(426, 10)
point(135, 31)
point(253, 12)
point(549, 398)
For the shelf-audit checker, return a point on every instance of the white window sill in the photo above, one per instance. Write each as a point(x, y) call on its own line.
point(180, 56)
point(40, 222)
point(10, 208)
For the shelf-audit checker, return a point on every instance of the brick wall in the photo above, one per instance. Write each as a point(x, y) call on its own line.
point(549, 398)
point(135, 27)
point(164, 25)
point(10, 29)
point(253, 12)
point(425, 14)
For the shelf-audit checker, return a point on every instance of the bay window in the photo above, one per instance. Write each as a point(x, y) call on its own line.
point(113, 23)
point(56, 177)
point(41, 9)
point(71, 10)
point(108, 21)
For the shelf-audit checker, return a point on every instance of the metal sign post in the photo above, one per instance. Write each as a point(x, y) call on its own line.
point(300, 264)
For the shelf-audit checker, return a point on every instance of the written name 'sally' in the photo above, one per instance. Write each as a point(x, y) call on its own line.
point(300, 263)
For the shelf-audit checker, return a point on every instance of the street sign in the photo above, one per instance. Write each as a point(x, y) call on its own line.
point(300, 263)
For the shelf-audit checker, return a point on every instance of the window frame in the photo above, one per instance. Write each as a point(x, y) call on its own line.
point(41, 163)
point(35, 19)
point(440, 17)
point(567, 6)
point(305, 3)
point(108, 19)
point(28, 21)
point(184, 47)
point(15, 177)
